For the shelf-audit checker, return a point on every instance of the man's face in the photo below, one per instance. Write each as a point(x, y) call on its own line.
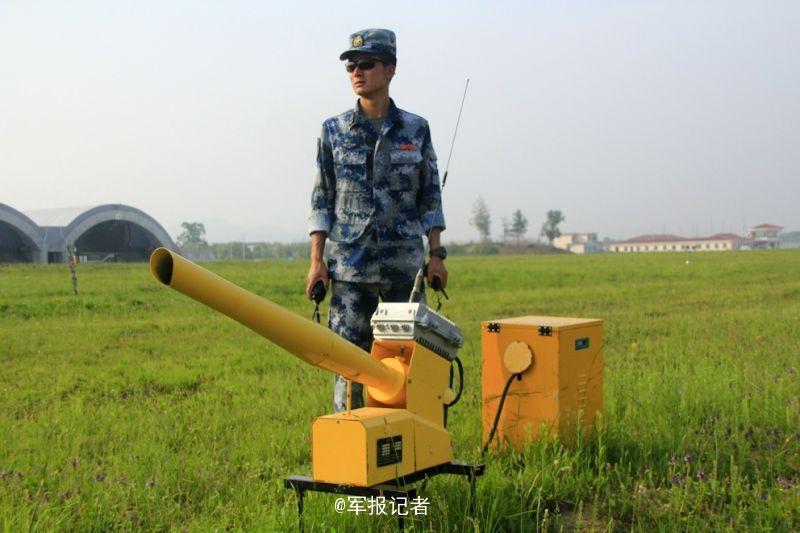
point(367, 81)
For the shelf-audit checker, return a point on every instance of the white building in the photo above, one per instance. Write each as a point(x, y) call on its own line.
point(673, 243)
point(765, 236)
point(578, 243)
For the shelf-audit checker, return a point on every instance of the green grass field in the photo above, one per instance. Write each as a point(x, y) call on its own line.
point(131, 406)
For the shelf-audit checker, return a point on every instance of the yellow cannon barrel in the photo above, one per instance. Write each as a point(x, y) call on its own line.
point(308, 340)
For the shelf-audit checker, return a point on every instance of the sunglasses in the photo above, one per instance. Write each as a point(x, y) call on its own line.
point(364, 64)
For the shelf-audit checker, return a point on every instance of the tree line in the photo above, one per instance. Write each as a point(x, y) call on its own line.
point(515, 228)
point(192, 240)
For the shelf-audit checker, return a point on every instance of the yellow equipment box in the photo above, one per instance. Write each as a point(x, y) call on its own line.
point(559, 362)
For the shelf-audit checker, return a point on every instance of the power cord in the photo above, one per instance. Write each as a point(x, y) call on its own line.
point(500, 410)
point(447, 406)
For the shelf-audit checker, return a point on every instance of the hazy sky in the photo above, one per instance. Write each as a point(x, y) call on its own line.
point(630, 116)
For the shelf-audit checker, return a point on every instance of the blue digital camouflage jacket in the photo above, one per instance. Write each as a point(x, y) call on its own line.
point(375, 205)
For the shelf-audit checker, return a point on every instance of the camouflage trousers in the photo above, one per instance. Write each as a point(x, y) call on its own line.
point(352, 305)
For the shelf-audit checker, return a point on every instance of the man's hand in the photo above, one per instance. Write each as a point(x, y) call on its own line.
point(318, 271)
point(436, 269)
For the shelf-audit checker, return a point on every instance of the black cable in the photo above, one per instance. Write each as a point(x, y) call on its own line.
point(460, 366)
point(460, 387)
point(449, 385)
point(499, 410)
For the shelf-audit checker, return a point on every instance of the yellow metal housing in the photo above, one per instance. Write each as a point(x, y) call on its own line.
point(374, 445)
point(345, 447)
point(561, 362)
point(426, 381)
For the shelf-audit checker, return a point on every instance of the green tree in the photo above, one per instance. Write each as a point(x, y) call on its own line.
point(519, 225)
point(481, 220)
point(193, 234)
point(550, 226)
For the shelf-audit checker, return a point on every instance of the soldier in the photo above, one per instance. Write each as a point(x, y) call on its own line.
point(376, 194)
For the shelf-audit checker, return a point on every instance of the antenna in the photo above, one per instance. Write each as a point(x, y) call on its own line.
point(416, 292)
point(455, 132)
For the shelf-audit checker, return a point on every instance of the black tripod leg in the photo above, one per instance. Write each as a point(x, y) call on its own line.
point(300, 494)
point(472, 495)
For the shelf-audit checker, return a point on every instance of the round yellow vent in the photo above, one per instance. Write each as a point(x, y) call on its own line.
point(518, 357)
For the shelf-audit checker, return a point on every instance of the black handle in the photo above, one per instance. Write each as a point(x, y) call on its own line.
point(318, 292)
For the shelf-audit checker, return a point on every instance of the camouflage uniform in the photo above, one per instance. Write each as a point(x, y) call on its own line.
point(375, 206)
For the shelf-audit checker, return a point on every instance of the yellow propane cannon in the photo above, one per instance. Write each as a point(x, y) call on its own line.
point(401, 431)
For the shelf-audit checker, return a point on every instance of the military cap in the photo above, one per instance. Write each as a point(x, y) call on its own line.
point(372, 41)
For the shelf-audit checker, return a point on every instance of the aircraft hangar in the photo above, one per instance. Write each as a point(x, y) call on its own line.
point(109, 232)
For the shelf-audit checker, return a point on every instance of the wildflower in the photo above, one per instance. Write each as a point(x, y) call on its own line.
point(785, 482)
point(700, 474)
point(688, 458)
point(99, 477)
point(74, 462)
point(678, 480)
point(763, 495)
point(674, 460)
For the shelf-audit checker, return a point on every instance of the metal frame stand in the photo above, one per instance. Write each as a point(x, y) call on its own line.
point(394, 489)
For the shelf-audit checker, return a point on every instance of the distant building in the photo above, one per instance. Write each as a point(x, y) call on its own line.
point(111, 232)
point(21, 240)
point(673, 243)
point(765, 236)
point(790, 239)
point(578, 243)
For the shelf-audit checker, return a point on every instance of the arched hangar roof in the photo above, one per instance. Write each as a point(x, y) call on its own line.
point(26, 227)
point(72, 222)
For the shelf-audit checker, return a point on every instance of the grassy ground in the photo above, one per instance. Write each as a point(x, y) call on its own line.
point(132, 407)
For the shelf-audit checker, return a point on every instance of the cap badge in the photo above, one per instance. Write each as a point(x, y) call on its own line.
point(357, 41)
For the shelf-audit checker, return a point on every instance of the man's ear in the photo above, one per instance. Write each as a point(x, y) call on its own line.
point(390, 69)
